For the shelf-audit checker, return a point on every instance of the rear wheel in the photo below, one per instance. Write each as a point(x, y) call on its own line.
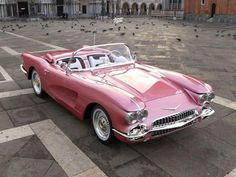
point(36, 84)
point(102, 125)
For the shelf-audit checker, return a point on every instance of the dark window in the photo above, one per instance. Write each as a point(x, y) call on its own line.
point(60, 2)
point(84, 9)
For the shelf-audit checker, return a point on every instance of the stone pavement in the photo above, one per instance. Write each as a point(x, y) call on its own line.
point(206, 51)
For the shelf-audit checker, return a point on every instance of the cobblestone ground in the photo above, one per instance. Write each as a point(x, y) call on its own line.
point(203, 50)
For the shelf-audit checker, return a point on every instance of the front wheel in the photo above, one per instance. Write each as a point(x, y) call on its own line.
point(102, 125)
point(36, 83)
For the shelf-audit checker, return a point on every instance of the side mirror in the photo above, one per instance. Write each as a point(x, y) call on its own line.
point(49, 58)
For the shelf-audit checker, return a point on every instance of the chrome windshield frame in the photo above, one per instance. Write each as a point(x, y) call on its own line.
point(100, 67)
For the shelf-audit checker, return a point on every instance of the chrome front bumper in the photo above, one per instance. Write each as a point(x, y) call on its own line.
point(174, 126)
point(22, 69)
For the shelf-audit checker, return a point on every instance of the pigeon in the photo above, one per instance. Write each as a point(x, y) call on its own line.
point(122, 34)
point(229, 35)
point(111, 29)
point(104, 30)
point(217, 35)
point(195, 30)
point(119, 28)
point(124, 27)
point(133, 34)
point(47, 34)
point(59, 31)
point(197, 36)
point(178, 39)
point(136, 27)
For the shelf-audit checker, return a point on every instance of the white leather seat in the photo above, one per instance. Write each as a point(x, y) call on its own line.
point(76, 64)
point(96, 61)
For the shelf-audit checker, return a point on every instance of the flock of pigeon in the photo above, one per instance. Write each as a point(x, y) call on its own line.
point(120, 28)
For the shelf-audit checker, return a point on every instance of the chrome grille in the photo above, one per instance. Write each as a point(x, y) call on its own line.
point(173, 118)
point(166, 131)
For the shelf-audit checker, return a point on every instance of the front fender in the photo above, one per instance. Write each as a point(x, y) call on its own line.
point(187, 82)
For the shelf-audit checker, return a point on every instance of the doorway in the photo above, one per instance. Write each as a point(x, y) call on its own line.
point(60, 7)
point(84, 9)
point(23, 9)
point(213, 9)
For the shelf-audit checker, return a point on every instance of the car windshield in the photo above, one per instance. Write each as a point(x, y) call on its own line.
point(106, 55)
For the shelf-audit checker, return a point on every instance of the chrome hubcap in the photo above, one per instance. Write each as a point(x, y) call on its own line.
point(101, 124)
point(36, 82)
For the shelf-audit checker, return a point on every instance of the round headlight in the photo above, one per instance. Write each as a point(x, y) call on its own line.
point(202, 99)
point(137, 116)
point(211, 97)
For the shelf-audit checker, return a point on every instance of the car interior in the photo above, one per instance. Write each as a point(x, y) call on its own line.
point(76, 63)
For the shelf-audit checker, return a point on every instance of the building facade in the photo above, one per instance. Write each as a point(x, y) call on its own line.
point(76, 8)
point(212, 10)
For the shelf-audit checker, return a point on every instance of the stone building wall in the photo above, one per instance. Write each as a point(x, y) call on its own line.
point(211, 10)
point(86, 8)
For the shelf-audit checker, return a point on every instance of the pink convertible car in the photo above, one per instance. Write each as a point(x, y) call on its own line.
point(125, 99)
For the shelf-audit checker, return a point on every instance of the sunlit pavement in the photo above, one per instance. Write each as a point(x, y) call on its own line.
point(206, 51)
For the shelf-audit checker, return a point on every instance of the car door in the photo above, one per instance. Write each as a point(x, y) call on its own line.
point(62, 86)
point(55, 77)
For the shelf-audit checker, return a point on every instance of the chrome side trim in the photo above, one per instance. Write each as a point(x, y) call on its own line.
point(181, 123)
point(22, 69)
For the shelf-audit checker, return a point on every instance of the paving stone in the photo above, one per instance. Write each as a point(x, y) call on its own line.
point(176, 161)
point(220, 113)
point(24, 84)
point(55, 171)
point(5, 122)
point(34, 149)
point(26, 115)
point(39, 100)
point(206, 146)
point(4, 163)
point(1, 108)
point(16, 102)
point(140, 167)
point(1, 77)
point(12, 147)
point(22, 167)
point(53, 109)
point(106, 157)
point(8, 86)
point(73, 127)
point(224, 129)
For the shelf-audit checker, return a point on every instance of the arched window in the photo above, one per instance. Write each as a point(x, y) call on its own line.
point(203, 2)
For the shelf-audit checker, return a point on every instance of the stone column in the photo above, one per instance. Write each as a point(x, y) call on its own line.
point(114, 8)
point(29, 10)
point(147, 13)
point(139, 8)
point(182, 5)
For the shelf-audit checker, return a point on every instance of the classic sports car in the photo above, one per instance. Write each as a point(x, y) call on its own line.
point(125, 99)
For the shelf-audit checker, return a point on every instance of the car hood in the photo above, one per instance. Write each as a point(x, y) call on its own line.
point(141, 83)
